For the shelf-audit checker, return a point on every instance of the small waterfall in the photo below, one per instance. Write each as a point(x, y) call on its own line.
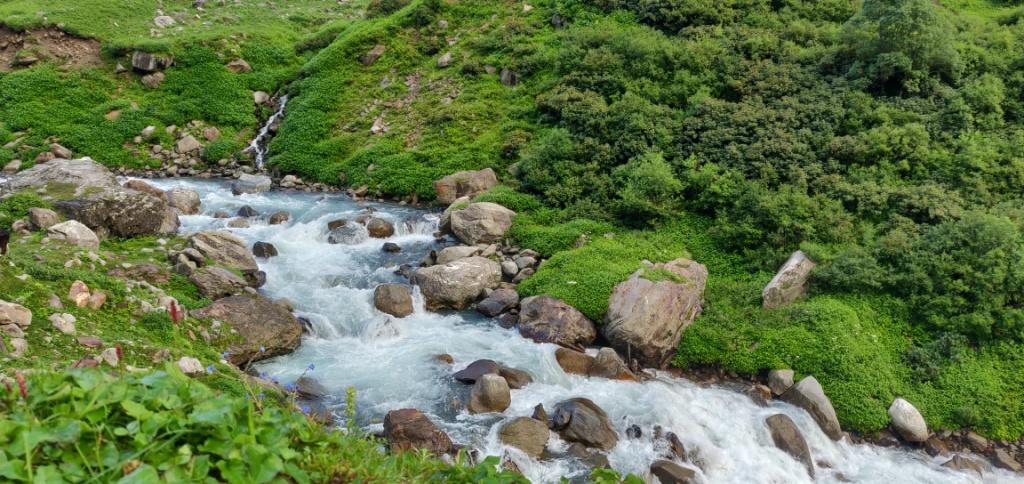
point(259, 145)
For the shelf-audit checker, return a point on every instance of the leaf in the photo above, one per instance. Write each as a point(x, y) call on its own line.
point(48, 475)
point(13, 470)
point(68, 433)
point(145, 474)
point(210, 412)
point(136, 410)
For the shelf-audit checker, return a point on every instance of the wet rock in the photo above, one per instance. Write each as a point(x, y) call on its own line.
point(516, 378)
point(223, 248)
point(961, 463)
point(261, 324)
point(42, 218)
point(309, 388)
point(609, 365)
point(634, 432)
point(379, 228)
point(255, 279)
point(444, 358)
point(184, 200)
point(1003, 460)
point(247, 183)
point(581, 420)
point(907, 421)
point(934, 446)
point(499, 301)
point(238, 223)
point(574, 362)
point(526, 434)
point(676, 446)
point(190, 366)
point(347, 233)
point(808, 395)
point(508, 320)
point(646, 318)
point(669, 472)
point(16, 314)
point(391, 248)
point(217, 282)
point(457, 284)
point(470, 374)
point(780, 381)
point(549, 320)
point(246, 212)
point(540, 414)
point(445, 223)
point(481, 223)
point(464, 184)
point(788, 438)
point(759, 394)
point(74, 233)
point(490, 394)
point(409, 429)
point(264, 250)
point(393, 299)
point(790, 283)
point(450, 254)
point(278, 218)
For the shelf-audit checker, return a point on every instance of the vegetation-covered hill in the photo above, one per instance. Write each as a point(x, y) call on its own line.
point(882, 137)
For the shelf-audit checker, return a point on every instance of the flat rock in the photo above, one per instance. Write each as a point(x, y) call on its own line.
point(224, 249)
point(248, 183)
point(457, 284)
point(481, 223)
point(260, 323)
point(526, 434)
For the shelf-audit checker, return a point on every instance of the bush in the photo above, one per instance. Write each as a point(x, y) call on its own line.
point(16, 207)
point(380, 8)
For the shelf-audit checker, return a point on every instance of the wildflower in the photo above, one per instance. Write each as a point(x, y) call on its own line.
point(225, 355)
point(175, 313)
point(290, 387)
point(21, 384)
point(274, 379)
point(263, 350)
point(311, 367)
point(305, 408)
point(261, 395)
point(210, 369)
point(120, 354)
point(264, 375)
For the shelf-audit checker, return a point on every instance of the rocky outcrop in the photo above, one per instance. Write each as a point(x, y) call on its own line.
point(790, 283)
point(516, 378)
point(393, 299)
point(464, 184)
point(646, 318)
point(457, 284)
point(808, 395)
point(409, 429)
point(266, 329)
point(184, 200)
point(77, 177)
point(247, 183)
point(526, 434)
point(499, 301)
point(75, 233)
point(481, 223)
point(581, 420)
point(216, 282)
point(490, 394)
point(224, 249)
point(549, 320)
point(788, 438)
point(907, 421)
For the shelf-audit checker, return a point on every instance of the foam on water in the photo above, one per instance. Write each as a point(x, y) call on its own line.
point(389, 361)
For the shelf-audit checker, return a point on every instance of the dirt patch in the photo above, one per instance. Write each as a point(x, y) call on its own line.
point(24, 49)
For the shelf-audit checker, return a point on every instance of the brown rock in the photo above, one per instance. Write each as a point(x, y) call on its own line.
point(464, 184)
point(609, 365)
point(409, 429)
point(216, 282)
point(490, 394)
point(380, 228)
point(526, 434)
point(790, 283)
point(669, 472)
point(260, 323)
point(574, 362)
point(787, 437)
point(549, 320)
point(393, 299)
point(470, 374)
point(516, 378)
point(808, 395)
point(581, 420)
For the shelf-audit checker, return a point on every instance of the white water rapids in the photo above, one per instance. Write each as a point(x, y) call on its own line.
point(391, 366)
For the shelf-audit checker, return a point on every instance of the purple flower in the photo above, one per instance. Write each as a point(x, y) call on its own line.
point(225, 355)
point(261, 395)
point(210, 369)
point(263, 350)
point(305, 409)
point(311, 367)
point(263, 374)
point(290, 387)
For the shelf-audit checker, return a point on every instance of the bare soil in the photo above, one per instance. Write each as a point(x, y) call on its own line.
point(50, 44)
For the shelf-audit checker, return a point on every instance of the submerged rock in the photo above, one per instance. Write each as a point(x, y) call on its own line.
point(669, 472)
point(788, 438)
point(581, 420)
point(393, 299)
point(549, 320)
point(409, 429)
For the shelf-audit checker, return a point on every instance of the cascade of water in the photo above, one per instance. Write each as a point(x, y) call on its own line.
point(389, 361)
point(259, 145)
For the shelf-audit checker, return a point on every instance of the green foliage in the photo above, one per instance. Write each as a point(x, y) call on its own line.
point(510, 199)
point(378, 8)
point(15, 207)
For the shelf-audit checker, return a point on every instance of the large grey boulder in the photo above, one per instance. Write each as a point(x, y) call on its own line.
point(184, 200)
point(788, 438)
point(490, 394)
point(248, 183)
point(481, 223)
point(409, 429)
point(445, 224)
point(790, 283)
point(526, 434)
point(393, 299)
point(548, 320)
point(464, 184)
point(75, 233)
point(266, 329)
point(581, 420)
point(646, 318)
point(223, 248)
point(907, 421)
point(808, 395)
point(457, 284)
point(449, 254)
point(779, 381)
point(73, 178)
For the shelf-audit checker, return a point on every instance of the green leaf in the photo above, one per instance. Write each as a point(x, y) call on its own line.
point(210, 412)
point(145, 474)
point(48, 475)
point(136, 410)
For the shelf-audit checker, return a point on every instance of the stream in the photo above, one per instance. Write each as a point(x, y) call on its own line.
point(390, 361)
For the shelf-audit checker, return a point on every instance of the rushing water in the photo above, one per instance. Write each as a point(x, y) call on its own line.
point(390, 361)
point(258, 145)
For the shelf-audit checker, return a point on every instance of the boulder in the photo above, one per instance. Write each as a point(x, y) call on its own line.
point(264, 250)
point(261, 324)
point(278, 218)
point(470, 374)
point(779, 381)
point(788, 438)
point(246, 211)
point(669, 472)
point(184, 200)
point(464, 184)
point(409, 429)
point(457, 284)
point(42, 218)
point(581, 420)
point(790, 283)
point(516, 378)
point(445, 223)
point(142, 186)
point(16, 314)
point(379, 228)
point(188, 145)
point(907, 421)
point(347, 233)
point(145, 62)
point(481, 223)
point(609, 365)
point(75, 233)
point(190, 366)
point(393, 299)
point(646, 318)
point(490, 394)
point(217, 282)
point(808, 395)
point(526, 434)
point(574, 362)
point(223, 248)
point(79, 294)
point(548, 320)
point(1002, 459)
point(248, 183)
point(391, 248)
point(449, 254)
point(499, 301)
point(77, 176)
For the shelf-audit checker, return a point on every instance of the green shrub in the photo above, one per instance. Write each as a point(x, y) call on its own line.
point(510, 199)
point(15, 207)
point(379, 8)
